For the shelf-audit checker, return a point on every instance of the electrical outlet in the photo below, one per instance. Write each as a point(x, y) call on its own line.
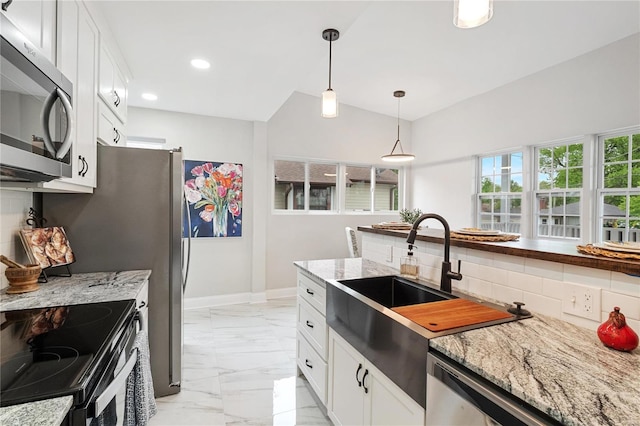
point(581, 300)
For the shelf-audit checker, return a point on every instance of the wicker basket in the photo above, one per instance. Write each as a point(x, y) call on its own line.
point(23, 280)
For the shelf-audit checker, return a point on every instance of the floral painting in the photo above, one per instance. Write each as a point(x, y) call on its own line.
point(214, 194)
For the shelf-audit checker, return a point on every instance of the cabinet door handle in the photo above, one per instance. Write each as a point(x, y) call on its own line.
point(309, 324)
point(86, 169)
point(6, 4)
point(117, 138)
point(116, 102)
point(366, 373)
point(308, 363)
point(309, 291)
point(357, 378)
point(82, 165)
point(142, 304)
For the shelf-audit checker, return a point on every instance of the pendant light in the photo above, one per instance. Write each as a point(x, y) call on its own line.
point(329, 98)
point(471, 13)
point(401, 156)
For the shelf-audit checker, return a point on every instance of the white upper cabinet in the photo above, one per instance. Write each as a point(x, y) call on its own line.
point(37, 21)
point(113, 87)
point(77, 58)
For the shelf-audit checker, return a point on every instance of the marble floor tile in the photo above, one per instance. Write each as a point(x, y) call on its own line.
point(239, 368)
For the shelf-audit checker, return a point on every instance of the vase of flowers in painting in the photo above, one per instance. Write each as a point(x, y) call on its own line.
point(217, 192)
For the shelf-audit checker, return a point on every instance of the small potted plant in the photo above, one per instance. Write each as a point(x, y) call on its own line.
point(410, 216)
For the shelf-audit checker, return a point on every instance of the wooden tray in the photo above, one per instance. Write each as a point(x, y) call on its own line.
point(488, 238)
point(601, 251)
point(447, 314)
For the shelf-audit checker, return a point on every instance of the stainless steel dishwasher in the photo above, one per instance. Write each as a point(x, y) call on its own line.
point(456, 398)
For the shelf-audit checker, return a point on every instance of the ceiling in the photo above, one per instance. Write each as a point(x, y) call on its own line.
point(263, 51)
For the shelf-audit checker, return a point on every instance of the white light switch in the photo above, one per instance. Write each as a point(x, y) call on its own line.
point(389, 254)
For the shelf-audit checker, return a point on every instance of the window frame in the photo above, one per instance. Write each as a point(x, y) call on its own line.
point(340, 187)
point(601, 192)
point(503, 195)
point(536, 217)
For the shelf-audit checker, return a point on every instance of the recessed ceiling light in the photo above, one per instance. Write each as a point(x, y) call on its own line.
point(200, 64)
point(149, 96)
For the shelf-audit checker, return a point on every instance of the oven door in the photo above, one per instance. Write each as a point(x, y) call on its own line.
point(106, 404)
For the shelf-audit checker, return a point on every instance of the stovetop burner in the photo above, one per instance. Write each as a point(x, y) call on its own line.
point(54, 351)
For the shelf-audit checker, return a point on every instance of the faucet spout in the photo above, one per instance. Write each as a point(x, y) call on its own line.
point(447, 273)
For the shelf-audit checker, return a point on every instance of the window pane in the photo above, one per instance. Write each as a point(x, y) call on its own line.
point(487, 166)
point(635, 147)
point(574, 178)
point(635, 174)
point(289, 185)
point(616, 176)
point(516, 183)
point(544, 181)
point(488, 185)
point(322, 186)
point(386, 193)
point(358, 191)
point(516, 162)
point(616, 149)
point(575, 155)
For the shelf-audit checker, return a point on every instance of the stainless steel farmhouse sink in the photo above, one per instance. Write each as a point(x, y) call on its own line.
point(393, 291)
point(360, 310)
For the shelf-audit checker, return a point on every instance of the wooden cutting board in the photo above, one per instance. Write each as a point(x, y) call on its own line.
point(447, 314)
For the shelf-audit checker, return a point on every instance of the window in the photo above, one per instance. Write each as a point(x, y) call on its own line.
point(290, 178)
point(500, 192)
point(363, 188)
point(558, 190)
point(619, 187)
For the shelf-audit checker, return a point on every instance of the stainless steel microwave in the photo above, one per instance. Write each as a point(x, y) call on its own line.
point(35, 112)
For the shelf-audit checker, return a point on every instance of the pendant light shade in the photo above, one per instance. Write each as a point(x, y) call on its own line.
point(329, 97)
point(471, 13)
point(398, 157)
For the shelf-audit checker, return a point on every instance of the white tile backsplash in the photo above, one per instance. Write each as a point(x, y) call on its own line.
point(539, 284)
point(14, 210)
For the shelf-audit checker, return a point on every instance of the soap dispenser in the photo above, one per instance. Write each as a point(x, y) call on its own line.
point(409, 265)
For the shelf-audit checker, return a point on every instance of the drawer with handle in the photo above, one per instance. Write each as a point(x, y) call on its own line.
point(314, 326)
point(313, 367)
point(312, 292)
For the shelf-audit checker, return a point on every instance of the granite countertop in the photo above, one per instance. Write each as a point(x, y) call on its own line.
point(50, 412)
point(559, 368)
point(555, 366)
point(77, 289)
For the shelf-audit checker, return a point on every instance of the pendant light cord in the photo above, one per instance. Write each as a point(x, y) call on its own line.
point(330, 43)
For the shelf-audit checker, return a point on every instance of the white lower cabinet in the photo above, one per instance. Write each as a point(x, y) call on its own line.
point(311, 337)
point(360, 394)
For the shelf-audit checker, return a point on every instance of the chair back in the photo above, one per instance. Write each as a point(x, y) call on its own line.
point(352, 242)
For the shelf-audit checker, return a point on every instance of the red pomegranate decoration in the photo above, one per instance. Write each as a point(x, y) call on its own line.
point(616, 334)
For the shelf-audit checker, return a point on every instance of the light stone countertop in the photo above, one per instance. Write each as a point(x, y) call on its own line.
point(49, 412)
point(90, 287)
point(555, 366)
point(78, 289)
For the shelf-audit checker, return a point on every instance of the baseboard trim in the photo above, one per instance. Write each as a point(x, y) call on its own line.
point(237, 298)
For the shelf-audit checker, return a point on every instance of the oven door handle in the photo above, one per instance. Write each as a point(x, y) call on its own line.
point(111, 391)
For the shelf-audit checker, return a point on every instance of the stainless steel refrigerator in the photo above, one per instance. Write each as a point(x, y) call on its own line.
point(132, 221)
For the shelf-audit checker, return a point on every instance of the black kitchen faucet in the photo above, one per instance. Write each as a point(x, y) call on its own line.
point(447, 273)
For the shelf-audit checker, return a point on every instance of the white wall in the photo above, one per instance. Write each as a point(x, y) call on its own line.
point(298, 130)
point(14, 210)
point(219, 266)
point(593, 93)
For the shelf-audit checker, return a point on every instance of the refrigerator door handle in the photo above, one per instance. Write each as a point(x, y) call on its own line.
point(188, 262)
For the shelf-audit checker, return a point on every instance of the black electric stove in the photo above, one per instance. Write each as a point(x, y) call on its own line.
point(57, 351)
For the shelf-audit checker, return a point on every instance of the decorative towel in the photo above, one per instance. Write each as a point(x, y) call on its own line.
point(140, 404)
